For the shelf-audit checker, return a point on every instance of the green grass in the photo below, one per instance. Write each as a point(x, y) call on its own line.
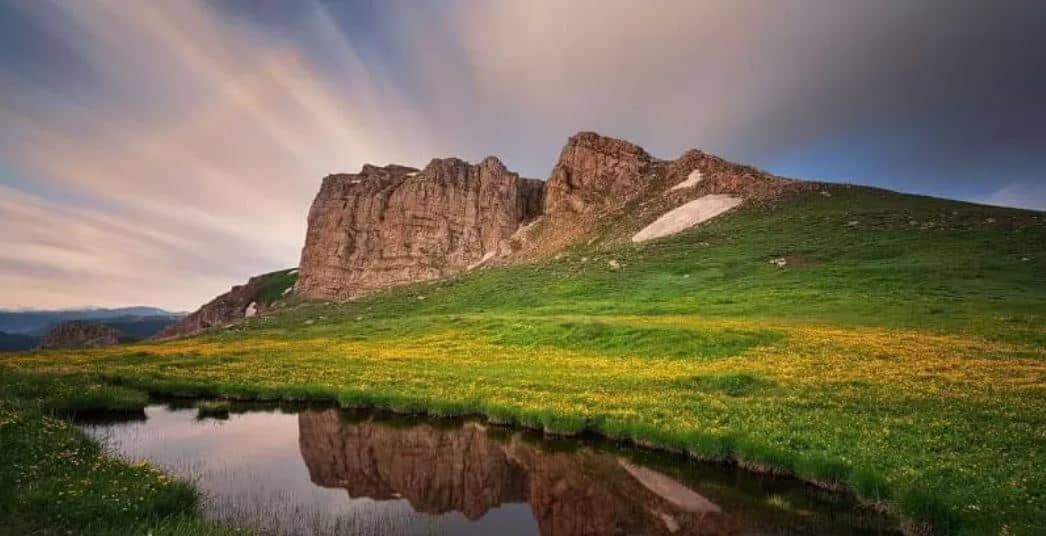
point(274, 284)
point(904, 361)
point(55, 480)
point(218, 409)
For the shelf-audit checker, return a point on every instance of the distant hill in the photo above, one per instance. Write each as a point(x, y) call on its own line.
point(33, 322)
point(16, 342)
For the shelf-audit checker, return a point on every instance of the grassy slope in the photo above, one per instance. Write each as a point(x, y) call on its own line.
point(55, 480)
point(903, 360)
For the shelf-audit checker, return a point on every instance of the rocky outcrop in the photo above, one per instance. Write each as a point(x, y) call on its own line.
point(256, 296)
point(80, 334)
point(595, 171)
point(607, 189)
point(392, 225)
point(395, 225)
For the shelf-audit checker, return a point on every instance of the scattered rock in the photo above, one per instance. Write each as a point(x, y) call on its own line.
point(584, 259)
point(989, 220)
point(1025, 259)
point(780, 262)
point(853, 223)
point(686, 276)
point(826, 193)
point(309, 322)
point(614, 265)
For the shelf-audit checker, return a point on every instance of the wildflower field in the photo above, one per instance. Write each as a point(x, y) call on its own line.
point(899, 352)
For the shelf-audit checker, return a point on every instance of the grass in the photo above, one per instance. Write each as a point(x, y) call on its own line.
point(217, 409)
point(901, 357)
point(55, 480)
point(274, 284)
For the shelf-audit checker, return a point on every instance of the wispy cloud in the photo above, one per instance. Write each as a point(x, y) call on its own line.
point(159, 152)
point(186, 163)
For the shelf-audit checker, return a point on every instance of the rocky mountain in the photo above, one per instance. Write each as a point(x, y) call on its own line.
point(241, 301)
point(609, 189)
point(392, 225)
point(80, 334)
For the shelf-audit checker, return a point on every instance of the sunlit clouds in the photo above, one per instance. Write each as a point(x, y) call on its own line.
point(174, 195)
point(158, 152)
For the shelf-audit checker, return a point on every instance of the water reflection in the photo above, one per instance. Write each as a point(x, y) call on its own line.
point(333, 472)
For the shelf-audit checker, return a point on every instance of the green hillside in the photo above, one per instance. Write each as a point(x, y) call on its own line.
point(899, 351)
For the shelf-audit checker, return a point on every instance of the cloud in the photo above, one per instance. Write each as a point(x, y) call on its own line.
point(159, 152)
point(186, 164)
point(1017, 194)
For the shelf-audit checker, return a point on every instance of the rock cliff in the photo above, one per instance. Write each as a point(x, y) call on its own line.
point(395, 225)
point(392, 225)
point(606, 189)
point(80, 334)
point(254, 297)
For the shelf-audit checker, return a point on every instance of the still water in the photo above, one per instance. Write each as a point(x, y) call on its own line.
point(329, 471)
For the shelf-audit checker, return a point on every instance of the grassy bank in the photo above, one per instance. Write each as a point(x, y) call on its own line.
point(898, 353)
point(55, 480)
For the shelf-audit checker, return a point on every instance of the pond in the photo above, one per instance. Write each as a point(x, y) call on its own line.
point(296, 470)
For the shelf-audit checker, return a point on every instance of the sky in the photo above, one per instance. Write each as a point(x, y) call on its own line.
point(159, 152)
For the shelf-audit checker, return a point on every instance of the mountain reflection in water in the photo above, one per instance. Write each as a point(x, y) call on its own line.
point(336, 472)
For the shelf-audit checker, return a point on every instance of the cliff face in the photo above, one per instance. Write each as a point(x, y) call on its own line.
point(254, 297)
point(605, 188)
point(395, 225)
point(80, 334)
point(465, 469)
point(392, 225)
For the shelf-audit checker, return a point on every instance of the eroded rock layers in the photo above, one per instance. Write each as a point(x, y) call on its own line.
point(392, 225)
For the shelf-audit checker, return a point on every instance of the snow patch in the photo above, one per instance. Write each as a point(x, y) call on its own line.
point(292, 272)
point(691, 180)
point(687, 215)
point(287, 291)
point(252, 310)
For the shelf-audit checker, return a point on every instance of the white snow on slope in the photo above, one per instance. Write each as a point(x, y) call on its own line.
point(691, 180)
point(687, 215)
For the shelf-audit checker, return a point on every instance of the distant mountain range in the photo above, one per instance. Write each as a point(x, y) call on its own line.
point(23, 330)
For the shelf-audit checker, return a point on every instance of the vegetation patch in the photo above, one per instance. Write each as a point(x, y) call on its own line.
point(275, 284)
point(56, 480)
point(215, 409)
point(628, 340)
point(731, 384)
